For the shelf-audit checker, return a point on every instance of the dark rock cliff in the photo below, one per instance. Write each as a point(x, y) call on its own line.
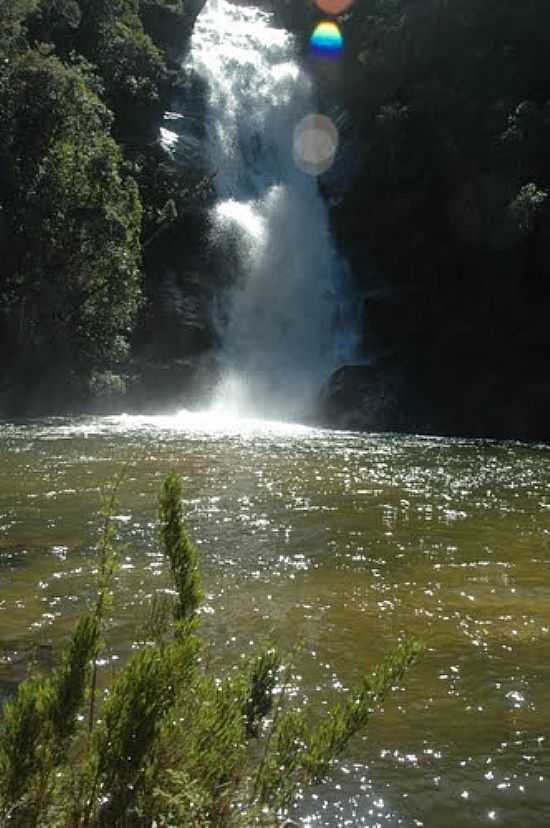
point(439, 200)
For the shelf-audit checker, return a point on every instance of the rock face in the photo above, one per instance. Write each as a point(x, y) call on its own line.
point(183, 314)
point(168, 27)
point(360, 397)
point(400, 395)
point(174, 364)
point(169, 386)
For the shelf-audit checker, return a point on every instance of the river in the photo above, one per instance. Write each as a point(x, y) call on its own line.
point(332, 544)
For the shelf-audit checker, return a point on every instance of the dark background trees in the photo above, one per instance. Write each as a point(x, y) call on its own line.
point(446, 216)
point(82, 91)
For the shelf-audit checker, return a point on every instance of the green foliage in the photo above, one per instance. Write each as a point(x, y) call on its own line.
point(447, 131)
point(24, 727)
point(138, 703)
point(213, 733)
point(172, 5)
point(98, 14)
point(82, 85)
point(527, 206)
point(73, 218)
point(179, 550)
point(107, 554)
point(262, 680)
point(55, 21)
point(301, 751)
point(168, 196)
point(13, 30)
point(39, 725)
point(469, 75)
point(131, 64)
point(132, 68)
point(173, 744)
point(70, 682)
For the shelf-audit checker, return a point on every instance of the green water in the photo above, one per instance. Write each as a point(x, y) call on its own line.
point(334, 545)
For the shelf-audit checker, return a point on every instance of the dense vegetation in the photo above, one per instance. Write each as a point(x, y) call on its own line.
point(443, 206)
point(84, 185)
point(169, 741)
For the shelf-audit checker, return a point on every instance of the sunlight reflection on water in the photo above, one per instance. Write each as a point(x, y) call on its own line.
point(334, 545)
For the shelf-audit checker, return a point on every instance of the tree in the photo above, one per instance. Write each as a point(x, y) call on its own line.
point(12, 30)
point(71, 280)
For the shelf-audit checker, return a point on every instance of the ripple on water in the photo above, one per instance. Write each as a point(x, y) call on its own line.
point(334, 545)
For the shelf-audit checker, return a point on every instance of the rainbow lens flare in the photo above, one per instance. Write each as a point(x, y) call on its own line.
point(334, 7)
point(326, 41)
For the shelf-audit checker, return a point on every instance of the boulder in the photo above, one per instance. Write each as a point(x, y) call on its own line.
point(360, 397)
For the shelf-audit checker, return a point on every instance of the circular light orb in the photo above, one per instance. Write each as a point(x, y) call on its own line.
point(315, 144)
point(334, 7)
point(326, 40)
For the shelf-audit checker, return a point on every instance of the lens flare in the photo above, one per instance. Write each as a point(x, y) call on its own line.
point(334, 7)
point(315, 144)
point(326, 41)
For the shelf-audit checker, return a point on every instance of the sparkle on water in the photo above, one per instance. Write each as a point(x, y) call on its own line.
point(341, 542)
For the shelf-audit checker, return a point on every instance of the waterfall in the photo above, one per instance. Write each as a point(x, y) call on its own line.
point(283, 330)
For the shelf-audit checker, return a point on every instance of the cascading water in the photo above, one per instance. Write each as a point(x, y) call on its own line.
point(283, 328)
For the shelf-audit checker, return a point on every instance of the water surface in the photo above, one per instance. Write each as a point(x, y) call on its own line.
point(335, 545)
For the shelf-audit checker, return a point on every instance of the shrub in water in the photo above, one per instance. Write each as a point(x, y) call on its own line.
point(170, 745)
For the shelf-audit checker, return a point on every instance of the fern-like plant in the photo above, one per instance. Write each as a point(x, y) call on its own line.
point(169, 743)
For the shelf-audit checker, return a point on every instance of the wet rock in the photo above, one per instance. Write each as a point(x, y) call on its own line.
point(161, 387)
point(168, 27)
point(185, 305)
point(360, 397)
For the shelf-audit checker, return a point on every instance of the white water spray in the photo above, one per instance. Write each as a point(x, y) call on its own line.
point(282, 336)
